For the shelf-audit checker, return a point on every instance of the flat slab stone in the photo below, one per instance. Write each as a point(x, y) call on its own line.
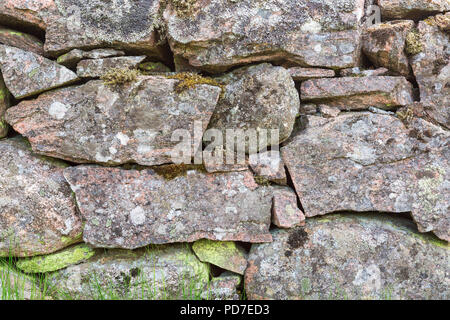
point(371, 162)
point(349, 257)
point(158, 272)
point(285, 211)
point(21, 40)
point(71, 58)
point(357, 72)
point(30, 14)
point(384, 45)
point(412, 9)
point(350, 93)
point(219, 34)
point(131, 122)
point(269, 165)
point(131, 209)
point(122, 24)
point(223, 287)
point(225, 254)
point(38, 212)
point(26, 73)
point(300, 74)
point(95, 68)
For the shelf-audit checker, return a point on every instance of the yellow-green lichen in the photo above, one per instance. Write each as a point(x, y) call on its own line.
point(413, 42)
point(184, 7)
point(262, 181)
point(188, 80)
point(120, 75)
point(56, 261)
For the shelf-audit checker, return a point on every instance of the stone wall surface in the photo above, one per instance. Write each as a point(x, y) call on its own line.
point(224, 149)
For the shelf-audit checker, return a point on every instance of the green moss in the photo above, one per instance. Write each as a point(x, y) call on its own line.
point(262, 181)
point(152, 67)
point(413, 42)
point(188, 80)
point(119, 76)
point(56, 261)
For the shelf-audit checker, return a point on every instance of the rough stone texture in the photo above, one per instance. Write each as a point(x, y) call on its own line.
point(437, 114)
point(260, 96)
point(30, 14)
point(4, 104)
point(269, 165)
point(432, 69)
point(328, 112)
point(26, 73)
point(219, 34)
point(38, 212)
point(300, 74)
point(349, 257)
point(131, 209)
point(357, 72)
point(122, 24)
point(15, 285)
point(132, 122)
point(308, 108)
point(285, 212)
point(225, 254)
point(384, 45)
point(71, 58)
point(223, 287)
point(21, 40)
point(372, 162)
point(154, 67)
point(412, 9)
point(353, 93)
point(94, 68)
point(158, 272)
point(56, 261)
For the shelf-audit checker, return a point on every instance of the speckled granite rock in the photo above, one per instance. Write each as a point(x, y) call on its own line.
point(225, 254)
point(300, 74)
point(269, 165)
point(219, 34)
point(26, 73)
point(94, 68)
point(432, 69)
point(38, 212)
point(358, 72)
point(349, 256)
point(384, 45)
point(412, 9)
point(223, 287)
point(132, 122)
point(4, 104)
point(21, 40)
point(57, 260)
point(372, 162)
point(158, 272)
point(131, 209)
point(71, 58)
point(353, 93)
point(257, 97)
point(30, 14)
point(285, 212)
point(122, 24)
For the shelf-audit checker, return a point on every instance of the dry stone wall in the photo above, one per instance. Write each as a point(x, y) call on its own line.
point(218, 149)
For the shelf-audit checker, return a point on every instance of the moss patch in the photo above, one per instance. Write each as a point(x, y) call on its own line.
point(184, 7)
point(188, 80)
point(413, 42)
point(56, 261)
point(119, 76)
point(172, 171)
point(262, 181)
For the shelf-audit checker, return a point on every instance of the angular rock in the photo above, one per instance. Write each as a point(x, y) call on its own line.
point(357, 72)
point(257, 97)
point(308, 108)
point(436, 114)
point(71, 58)
point(269, 165)
point(328, 112)
point(29, 14)
point(56, 261)
point(21, 40)
point(94, 68)
point(38, 212)
point(350, 93)
point(4, 104)
point(225, 254)
point(432, 69)
point(285, 212)
point(15, 285)
point(131, 209)
point(219, 34)
point(384, 45)
point(121, 24)
point(301, 74)
point(131, 122)
point(372, 162)
point(412, 9)
point(26, 73)
point(158, 272)
point(349, 256)
point(223, 287)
